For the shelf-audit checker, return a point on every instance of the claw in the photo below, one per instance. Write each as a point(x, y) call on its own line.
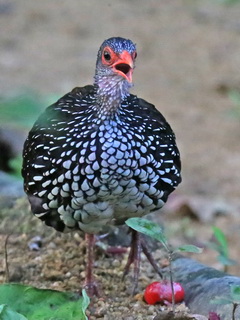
point(92, 289)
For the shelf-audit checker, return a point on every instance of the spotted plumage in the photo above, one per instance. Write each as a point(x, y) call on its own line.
point(100, 155)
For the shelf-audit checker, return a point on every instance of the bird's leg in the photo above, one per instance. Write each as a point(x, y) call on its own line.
point(134, 257)
point(150, 258)
point(138, 244)
point(90, 285)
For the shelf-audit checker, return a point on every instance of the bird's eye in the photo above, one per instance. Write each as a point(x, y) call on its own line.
point(134, 55)
point(107, 55)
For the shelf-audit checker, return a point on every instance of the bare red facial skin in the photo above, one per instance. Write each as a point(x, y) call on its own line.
point(161, 292)
point(122, 63)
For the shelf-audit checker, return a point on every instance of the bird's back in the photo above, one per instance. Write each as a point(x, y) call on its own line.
point(85, 169)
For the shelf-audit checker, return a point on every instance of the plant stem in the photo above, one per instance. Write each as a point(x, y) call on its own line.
point(225, 268)
point(233, 311)
point(171, 279)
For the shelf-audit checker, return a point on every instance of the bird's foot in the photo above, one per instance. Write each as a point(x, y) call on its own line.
point(92, 289)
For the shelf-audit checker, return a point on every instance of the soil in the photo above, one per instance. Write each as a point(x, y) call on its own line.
point(188, 65)
point(57, 261)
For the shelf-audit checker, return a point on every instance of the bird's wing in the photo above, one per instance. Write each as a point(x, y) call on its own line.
point(157, 136)
point(45, 144)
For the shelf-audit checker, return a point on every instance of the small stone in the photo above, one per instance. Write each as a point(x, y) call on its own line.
point(101, 303)
point(151, 310)
point(144, 277)
point(158, 254)
point(107, 264)
point(100, 312)
point(51, 245)
point(38, 259)
point(138, 297)
point(123, 309)
point(137, 305)
point(68, 275)
point(53, 275)
point(17, 274)
point(116, 263)
point(77, 237)
point(55, 284)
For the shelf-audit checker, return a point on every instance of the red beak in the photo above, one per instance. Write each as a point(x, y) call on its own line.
point(124, 66)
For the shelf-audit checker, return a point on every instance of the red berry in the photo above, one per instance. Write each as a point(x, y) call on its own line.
point(152, 292)
point(167, 291)
point(161, 291)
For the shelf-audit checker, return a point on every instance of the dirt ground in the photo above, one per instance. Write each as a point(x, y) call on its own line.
point(188, 63)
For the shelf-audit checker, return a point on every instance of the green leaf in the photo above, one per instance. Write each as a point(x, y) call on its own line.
point(234, 95)
point(221, 301)
point(149, 228)
point(214, 246)
point(23, 109)
point(85, 301)
point(41, 304)
point(220, 237)
point(226, 261)
point(20, 110)
point(235, 293)
point(16, 165)
point(229, 2)
point(7, 314)
point(189, 248)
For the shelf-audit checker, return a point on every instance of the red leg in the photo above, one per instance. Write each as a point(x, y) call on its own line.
point(137, 245)
point(129, 260)
point(90, 285)
point(150, 258)
point(134, 257)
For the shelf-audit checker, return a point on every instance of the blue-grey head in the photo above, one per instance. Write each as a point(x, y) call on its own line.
point(116, 58)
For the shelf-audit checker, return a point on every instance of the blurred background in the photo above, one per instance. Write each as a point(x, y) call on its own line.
point(188, 66)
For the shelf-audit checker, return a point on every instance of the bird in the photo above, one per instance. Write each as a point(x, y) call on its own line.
point(101, 155)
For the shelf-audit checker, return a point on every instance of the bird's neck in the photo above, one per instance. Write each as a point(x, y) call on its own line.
point(110, 92)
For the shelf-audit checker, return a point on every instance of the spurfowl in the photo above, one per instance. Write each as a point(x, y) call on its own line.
point(101, 155)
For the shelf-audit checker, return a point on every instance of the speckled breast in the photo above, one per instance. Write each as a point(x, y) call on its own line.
point(111, 181)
